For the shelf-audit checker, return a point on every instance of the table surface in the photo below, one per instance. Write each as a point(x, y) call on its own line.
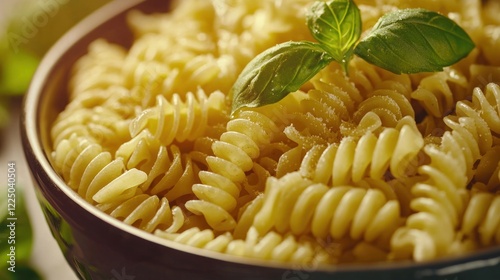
point(46, 257)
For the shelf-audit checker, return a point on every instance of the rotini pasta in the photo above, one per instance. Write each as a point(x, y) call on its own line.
point(435, 95)
point(441, 200)
point(272, 246)
point(100, 69)
point(481, 217)
point(338, 211)
point(369, 156)
point(487, 175)
point(180, 121)
point(234, 155)
point(147, 213)
point(389, 105)
point(93, 173)
point(369, 78)
point(170, 173)
point(365, 167)
point(96, 117)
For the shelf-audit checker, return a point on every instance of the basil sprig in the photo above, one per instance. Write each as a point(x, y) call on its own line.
point(404, 41)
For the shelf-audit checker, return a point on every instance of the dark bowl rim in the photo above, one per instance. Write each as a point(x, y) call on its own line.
point(33, 149)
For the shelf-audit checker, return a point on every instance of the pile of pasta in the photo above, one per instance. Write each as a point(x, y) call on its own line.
point(367, 167)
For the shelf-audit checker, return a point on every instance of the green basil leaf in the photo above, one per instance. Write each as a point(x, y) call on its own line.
point(414, 40)
point(276, 72)
point(337, 26)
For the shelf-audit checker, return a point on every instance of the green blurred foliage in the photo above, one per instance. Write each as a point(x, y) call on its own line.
point(19, 236)
point(33, 27)
point(37, 24)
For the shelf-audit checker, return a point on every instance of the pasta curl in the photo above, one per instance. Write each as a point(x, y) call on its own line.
point(170, 172)
point(389, 106)
point(338, 211)
point(435, 95)
point(484, 107)
point(147, 213)
point(101, 68)
point(487, 173)
point(272, 246)
point(233, 156)
point(102, 116)
point(369, 78)
point(93, 173)
point(441, 200)
point(369, 156)
point(481, 218)
point(180, 121)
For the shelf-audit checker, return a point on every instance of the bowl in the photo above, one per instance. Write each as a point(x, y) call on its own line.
point(97, 246)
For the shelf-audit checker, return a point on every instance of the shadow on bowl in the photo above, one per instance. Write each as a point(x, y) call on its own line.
point(98, 246)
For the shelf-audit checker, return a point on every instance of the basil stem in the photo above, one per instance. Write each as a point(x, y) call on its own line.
point(276, 72)
point(413, 41)
point(336, 25)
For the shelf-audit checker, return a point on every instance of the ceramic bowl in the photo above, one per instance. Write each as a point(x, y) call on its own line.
point(98, 246)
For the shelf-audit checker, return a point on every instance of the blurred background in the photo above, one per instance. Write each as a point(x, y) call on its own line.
point(28, 28)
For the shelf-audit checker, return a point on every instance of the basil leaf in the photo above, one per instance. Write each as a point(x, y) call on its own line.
point(337, 26)
point(414, 40)
point(277, 71)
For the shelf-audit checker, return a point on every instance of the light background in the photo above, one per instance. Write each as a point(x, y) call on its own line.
point(46, 257)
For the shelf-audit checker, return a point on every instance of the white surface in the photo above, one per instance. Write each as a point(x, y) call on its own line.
point(46, 257)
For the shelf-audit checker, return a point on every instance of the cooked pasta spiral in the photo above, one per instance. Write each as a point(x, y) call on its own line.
point(389, 105)
point(93, 173)
point(272, 246)
point(199, 238)
point(100, 115)
point(435, 95)
point(180, 121)
point(339, 211)
point(359, 106)
point(487, 173)
point(370, 156)
point(170, 172)
point(486, 105)
point(148, 81)
point(440, 201)
point(369, 78)
point(481, 218)
point(187, 60)
point(326, 108)
point(101, 68)
point(233, 156)
point(147, 213)
point(431, 229)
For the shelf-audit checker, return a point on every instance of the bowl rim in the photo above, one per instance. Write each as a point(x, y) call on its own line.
point(32, 138)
